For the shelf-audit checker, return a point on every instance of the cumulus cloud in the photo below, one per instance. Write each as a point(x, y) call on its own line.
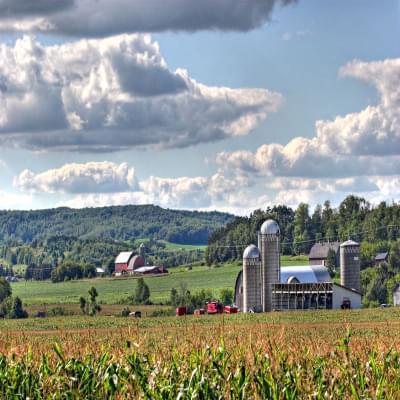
point(112, 94)
point(104, 17)
point(366, 143)
point(91, 177)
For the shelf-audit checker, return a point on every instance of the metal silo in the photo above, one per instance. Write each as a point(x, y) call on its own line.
point(269, 237)
point(350, 265)
point(251, 279)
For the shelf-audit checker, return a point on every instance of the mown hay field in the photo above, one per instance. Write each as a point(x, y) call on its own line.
point(113, 290)
point(305, 355)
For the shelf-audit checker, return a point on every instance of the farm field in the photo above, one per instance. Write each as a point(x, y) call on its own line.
point(112, 290)
point(296, 355)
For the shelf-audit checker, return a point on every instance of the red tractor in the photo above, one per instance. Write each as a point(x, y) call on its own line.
point(215, 307)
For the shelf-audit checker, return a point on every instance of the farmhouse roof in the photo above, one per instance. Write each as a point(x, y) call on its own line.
point(320, 250)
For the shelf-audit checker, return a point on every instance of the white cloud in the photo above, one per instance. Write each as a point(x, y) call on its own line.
point(351, 154)
point(12, 201)
point(91, 177)
point(112, 94)
point(105, 17)
point(359, 144)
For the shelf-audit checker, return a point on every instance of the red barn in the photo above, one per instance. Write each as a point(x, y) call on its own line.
point(127, 262)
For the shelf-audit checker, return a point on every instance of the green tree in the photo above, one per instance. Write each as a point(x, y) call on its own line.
point(331, 262)
point(142, 292)
point(302, 234)
point(5, 289)
point(17, 310)
point(94, 307)
point(226, 296)
point(82, 305)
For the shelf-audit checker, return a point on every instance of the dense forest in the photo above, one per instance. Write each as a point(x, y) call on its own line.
point(355, 218)
point(116, 222)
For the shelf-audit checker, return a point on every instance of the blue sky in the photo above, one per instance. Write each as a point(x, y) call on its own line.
point(301, 56)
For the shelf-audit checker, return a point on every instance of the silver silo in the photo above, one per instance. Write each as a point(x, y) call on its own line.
point(251, 279)
point(269, 239)
point(350, 265)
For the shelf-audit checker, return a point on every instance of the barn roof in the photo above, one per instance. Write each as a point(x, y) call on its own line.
point(305, 274)
point(123, 257)
point(320, 250)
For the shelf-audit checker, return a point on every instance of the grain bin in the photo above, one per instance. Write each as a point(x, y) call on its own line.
point(350, 265)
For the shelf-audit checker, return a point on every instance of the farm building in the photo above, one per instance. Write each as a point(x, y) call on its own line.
point(150, 270)
point(396, 295)
point(263, 285)
point(126, 262)
point(380, 258)
point(319, 253)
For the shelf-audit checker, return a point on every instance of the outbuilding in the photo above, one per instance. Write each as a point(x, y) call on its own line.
point(381, 258)
point(127, 262)
point(319, 253)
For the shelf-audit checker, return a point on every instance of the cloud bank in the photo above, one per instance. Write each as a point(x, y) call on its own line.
point(95, 18)
point(356, 153)
point(113, 94)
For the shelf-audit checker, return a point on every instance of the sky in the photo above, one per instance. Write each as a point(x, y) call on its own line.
point(223, 105)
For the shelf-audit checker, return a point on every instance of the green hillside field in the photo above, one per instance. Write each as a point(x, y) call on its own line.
point(113, 290)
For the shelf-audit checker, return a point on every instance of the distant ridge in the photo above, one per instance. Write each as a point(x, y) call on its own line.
point(113, 222)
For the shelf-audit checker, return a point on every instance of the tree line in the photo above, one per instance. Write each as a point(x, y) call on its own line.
point(354, 218)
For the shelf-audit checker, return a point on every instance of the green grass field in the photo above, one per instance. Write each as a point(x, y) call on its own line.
point(185, 247)
point(112, 290)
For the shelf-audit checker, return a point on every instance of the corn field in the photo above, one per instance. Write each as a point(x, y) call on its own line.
point(222, 359)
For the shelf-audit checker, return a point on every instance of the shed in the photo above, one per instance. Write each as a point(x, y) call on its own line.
point(319, 252)
point(381, 257)
point(150, 270)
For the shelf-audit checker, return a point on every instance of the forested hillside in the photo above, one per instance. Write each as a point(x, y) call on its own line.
point(355, 218)
point(117, 223)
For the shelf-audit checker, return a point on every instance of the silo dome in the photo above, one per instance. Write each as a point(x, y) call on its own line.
point(270, 227)
point(348, 243)
point(251, 252)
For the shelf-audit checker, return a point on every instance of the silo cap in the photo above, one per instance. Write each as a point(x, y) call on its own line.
point(270, 227)
point(251, 252)
point(348, 243)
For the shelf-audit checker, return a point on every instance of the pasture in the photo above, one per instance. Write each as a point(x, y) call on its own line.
point(113, 290)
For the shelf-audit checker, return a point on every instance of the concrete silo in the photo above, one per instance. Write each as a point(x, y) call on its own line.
point(269, 241)
point(142, 252)
point(350, 265)
point(251, 279)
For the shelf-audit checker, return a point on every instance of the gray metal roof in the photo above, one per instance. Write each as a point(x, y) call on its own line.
point(320, 250)
point(123, 257)
point(251, 252)
point(270, 227)
point(348, 243)
point(381, 256)
point(142, 270)
point(305, 274)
